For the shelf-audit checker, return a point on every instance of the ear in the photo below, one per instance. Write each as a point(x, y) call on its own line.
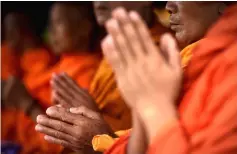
point(221, 8)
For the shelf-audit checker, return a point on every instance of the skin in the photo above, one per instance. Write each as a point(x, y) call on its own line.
point(143, 93)
point(103, 9)
point(150, 97)
point(69, 94)
point(74, 130)
point(190, 20)
point(65, 33)
point(142, 51)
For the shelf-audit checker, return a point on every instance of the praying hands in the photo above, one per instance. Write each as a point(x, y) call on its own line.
point(148, 81)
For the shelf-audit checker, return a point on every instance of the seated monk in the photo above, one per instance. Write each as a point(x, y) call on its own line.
point(22, 48)
point(103, 90)
point(200, 118)
point(186, 54)
point(22, 55)
point(72, 27)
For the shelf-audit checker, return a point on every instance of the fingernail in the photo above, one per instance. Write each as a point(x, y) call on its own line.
point(54, 75)
point(73, 109)
point(59, 105)
point(46, 137)
point(51, 82)
point(38, 119)
point(37, 128)
point(133, 15)
point(49, 111)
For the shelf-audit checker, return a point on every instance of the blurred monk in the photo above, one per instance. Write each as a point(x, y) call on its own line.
point(22, 55)
point(103, 90)
point(22, 48)
point(72, 27)
point(202, 117)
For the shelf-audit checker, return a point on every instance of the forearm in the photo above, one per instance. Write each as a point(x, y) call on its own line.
point(138, 140)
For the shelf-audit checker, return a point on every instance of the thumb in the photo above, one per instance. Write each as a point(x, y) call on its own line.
point(85, 112)
point(170, 47)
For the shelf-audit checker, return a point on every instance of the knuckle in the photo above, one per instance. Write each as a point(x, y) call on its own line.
point(57, 134)
point(78, 133)
point(60, 127)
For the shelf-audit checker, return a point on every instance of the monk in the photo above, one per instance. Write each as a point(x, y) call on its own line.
point(103, 89)
point(71, 29)
point(22, 48)
point(22, 55)
point(202, 117)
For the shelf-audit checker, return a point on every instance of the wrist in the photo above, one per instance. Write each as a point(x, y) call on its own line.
point(155, 116)
point(138, 133)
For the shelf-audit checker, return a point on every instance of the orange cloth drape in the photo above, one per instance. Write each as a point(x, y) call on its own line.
point(207, 109)
point(15, 125)
point(81, 67)
point(18, 128)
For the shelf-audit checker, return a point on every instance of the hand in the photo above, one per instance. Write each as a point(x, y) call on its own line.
point(15, 95)
point(68, 93)
point(149, 79)
point(74, 129)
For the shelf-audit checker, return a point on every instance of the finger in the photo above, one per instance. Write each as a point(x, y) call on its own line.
point(66, 93)
point(119, 41)
point(169, 45)
point(53, 132)
point(59, 141)
point(144, 33)
point(66, 102)
point(76, 88)
point(84, 111)
point(55, 124)
point(112, 56)
point(61, 87)
point(132, 37)
point(61, 114)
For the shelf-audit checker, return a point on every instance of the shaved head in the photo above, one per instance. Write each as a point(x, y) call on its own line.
point(71, 25)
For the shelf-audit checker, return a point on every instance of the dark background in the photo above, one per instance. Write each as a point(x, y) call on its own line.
point(36, 11)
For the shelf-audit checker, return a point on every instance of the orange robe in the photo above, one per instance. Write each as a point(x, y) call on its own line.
point(17, 127)
point(81, 67)
point(14, 122)
point(9, 63)
point(105, 92)
point(35, 61)
point(207, 109)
